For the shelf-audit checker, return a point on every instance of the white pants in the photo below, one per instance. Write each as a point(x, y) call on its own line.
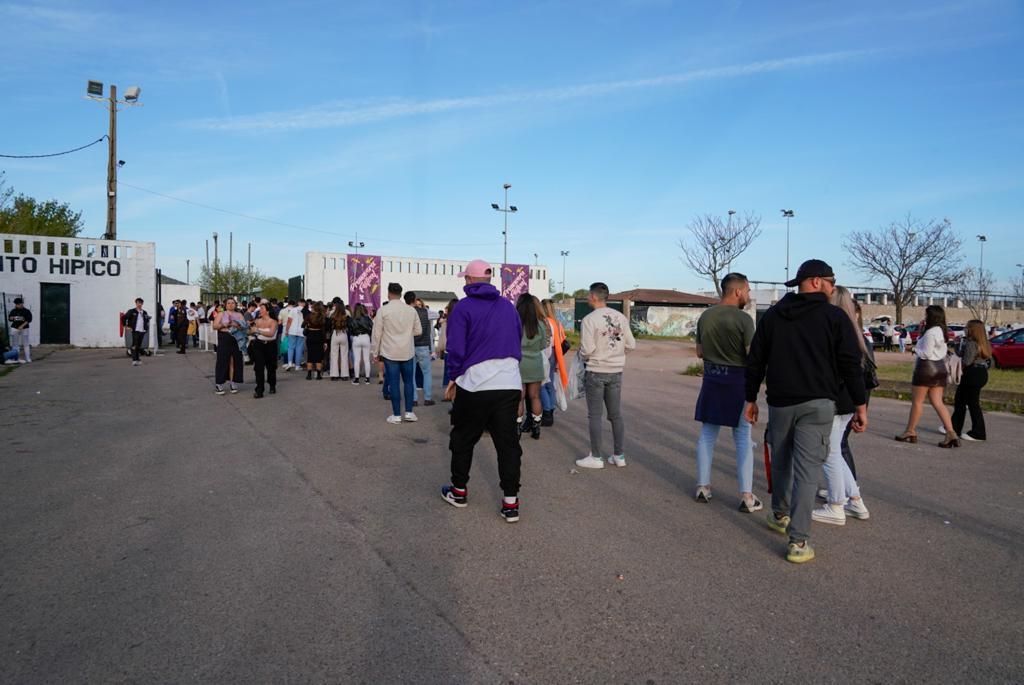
point(841, 483)
point(361, 350)
point(20, 340)
point(339, 354)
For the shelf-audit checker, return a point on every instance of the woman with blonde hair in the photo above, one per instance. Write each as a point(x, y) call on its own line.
point(930, 377)
point(843, 493)
point(976, 354)
point(557, 359)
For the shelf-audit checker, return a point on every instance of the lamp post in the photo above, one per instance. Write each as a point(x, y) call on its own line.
point(981, 260)
point(94, 91)
point(506, 211)
point(787, 214)
point(356, 244)
point(565, 253)
point(188, 274)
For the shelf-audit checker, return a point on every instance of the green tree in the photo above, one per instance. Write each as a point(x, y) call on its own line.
point(581, 294)
point(275, 287)
point(27, 215)
point(230, 280)
point(6, 192)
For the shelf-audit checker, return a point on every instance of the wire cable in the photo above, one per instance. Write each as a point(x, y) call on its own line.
point(56, 154)
point(288, 225)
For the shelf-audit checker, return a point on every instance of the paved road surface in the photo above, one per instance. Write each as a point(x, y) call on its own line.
point(153, 532)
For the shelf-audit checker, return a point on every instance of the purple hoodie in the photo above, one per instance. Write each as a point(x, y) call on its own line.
point(483, 326)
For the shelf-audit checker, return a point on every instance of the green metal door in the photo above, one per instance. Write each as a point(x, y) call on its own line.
point(55, 313)
point(582, 308)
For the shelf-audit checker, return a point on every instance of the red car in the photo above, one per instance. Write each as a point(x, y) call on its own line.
point(916, 329)
point(1008, 349)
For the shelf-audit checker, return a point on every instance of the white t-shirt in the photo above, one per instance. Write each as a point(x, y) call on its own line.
point(295, 325)
point(931, 345)
point(140, 323)
point(492, 374)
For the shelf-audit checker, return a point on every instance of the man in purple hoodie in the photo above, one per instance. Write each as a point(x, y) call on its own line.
point(484, 334)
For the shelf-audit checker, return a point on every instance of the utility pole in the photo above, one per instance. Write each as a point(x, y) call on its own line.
point(231, 249)
point(216, 261)
point(188, 263)
point(788, 214)
point(111, 233)
point(565, 253)
point(248, 260)
point(508, 209)
point(207, 253)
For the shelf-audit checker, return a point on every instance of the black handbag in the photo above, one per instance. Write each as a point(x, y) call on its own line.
point(566, 346)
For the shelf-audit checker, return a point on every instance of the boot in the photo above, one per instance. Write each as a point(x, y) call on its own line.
point(526, 424)
point(319, 375)
point(535, 427)
point(309, 375)
point(273, 390)
point(548, 418)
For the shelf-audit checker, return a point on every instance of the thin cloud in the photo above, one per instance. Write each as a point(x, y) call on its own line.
point(342, 114)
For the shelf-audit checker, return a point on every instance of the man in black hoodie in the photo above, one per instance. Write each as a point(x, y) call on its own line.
point(806, 347)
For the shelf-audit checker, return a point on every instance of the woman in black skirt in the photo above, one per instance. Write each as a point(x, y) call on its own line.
point(315, 340)
point(263, 350)
point(930, 377)
point(229, 355)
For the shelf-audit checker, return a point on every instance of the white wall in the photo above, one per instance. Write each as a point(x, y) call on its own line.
point(170, 292)
point(326, 275)
point(105, 276)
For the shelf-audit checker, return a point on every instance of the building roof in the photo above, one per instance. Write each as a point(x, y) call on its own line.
point(652, 296)
point(167, 280)
point(435, 295)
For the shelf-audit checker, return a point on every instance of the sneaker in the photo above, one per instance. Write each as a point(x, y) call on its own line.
point(218, 389)
point(510, 512)
point(410, 417)
point(135, 363)
point(454, 496)
point(617, 459)
point(780, 524)
point(233, 390)
point(829, 513)
point(590, 462)
point(703, 494)
point(942, 430)
point(751, 506)
point(366, 381)
point(429, 403)
point(968, 437)
point(395, 419)
point(23, 361)
point(823, 494)
point(799, 554)
point(355, 381)
point(857, 509)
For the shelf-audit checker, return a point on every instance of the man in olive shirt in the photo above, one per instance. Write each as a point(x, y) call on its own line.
point(723, 336)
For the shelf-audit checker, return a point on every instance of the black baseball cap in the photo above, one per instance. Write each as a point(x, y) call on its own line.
point(812, 268)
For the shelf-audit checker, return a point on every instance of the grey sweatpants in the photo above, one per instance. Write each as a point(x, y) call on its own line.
point(799, 437)
point(604, 392)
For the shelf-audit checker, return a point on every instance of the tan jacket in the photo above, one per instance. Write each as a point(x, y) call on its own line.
point(604, 339)
point(394, 328)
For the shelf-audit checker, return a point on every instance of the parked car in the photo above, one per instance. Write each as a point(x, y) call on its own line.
point(1008, 349)
point(873, 336)
point(957, 329)
point(916, 329)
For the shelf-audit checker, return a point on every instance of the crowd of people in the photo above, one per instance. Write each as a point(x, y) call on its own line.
point(506, 369)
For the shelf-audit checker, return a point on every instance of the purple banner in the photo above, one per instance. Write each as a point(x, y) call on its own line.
point(364, 281)
point(515, 280)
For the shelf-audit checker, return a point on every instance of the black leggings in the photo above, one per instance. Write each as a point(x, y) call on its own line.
point(968, 398)
point(264, 359)
point(228, 356)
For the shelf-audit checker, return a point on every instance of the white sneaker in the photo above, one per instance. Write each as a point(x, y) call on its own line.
point(135, 363)
point(395, 420)
point(23, 361)
point(823, 494)
point(967, 436)
point(286, 367)
point(617, 459)
point(857, 509)
point(942, 430)
point(11, 362)
point(829, 513)
point(410, 417)
point(590, 462)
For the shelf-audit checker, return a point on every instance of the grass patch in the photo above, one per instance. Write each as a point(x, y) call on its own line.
point(696, 369)
point(1003, 380)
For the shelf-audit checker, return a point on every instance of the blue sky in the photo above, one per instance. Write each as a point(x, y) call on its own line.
point(615, 125)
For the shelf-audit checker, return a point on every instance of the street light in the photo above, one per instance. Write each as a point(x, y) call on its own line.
point(506, 211)
point(565, 253)
point(356, 244)
point(981, 262)
point(787, 214)
point(94, 91)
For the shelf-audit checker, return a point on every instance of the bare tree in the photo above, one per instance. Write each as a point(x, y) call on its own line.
point(975, 291)
point(1018, 291)
point(715, 242)
point(913, 256)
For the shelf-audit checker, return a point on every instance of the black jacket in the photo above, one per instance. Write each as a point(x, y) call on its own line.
point(132, 315)
point(362, 325)
point(807, 348)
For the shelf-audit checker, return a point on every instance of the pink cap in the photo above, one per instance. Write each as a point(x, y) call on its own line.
point(477, 268)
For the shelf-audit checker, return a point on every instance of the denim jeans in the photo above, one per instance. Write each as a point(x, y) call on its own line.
point(841, 483)
point(20, 341)
point(397, 375)
point(296, 349)
point(604, 392)
point(547, 391)
point(423, 362)
point(744, 454)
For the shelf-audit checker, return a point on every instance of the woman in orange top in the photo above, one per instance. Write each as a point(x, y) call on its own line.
point(557, 359)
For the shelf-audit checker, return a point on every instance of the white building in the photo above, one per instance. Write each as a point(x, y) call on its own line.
point(326, 277)
point(76, 288)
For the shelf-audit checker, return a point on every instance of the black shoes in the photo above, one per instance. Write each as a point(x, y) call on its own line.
point(257, 395)
point(548, 418)
point(309, 375)
point(272, 390)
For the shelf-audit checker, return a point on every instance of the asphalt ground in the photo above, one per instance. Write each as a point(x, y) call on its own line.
point(153, 532)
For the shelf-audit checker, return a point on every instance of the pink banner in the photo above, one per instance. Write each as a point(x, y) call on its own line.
point(364, 281)
point(515, 280)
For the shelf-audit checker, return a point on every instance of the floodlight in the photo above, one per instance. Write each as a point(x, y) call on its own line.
point(94, 89)
point(494, 206)
point(513, 208)
point(132, 93)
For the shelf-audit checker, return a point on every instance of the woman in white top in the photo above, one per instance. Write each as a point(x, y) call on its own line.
point(930, 377)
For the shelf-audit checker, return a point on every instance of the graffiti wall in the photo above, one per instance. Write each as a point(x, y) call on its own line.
point(665, 321)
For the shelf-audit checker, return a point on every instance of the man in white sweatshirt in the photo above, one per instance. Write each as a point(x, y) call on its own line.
point(604, 339)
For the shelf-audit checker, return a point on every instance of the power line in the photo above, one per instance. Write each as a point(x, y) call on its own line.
point(288, 225)
point(56, 154)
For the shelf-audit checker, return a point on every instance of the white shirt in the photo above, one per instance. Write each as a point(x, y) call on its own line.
point(140, 322)
point(295, 324)
point(492, 374)
point(191, 314)
point(931, 345)
point(200, 312)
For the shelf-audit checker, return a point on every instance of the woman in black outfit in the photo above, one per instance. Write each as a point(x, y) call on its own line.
point(976, 353)
point(315, 339)
point(229, 357)
point(263, 350)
